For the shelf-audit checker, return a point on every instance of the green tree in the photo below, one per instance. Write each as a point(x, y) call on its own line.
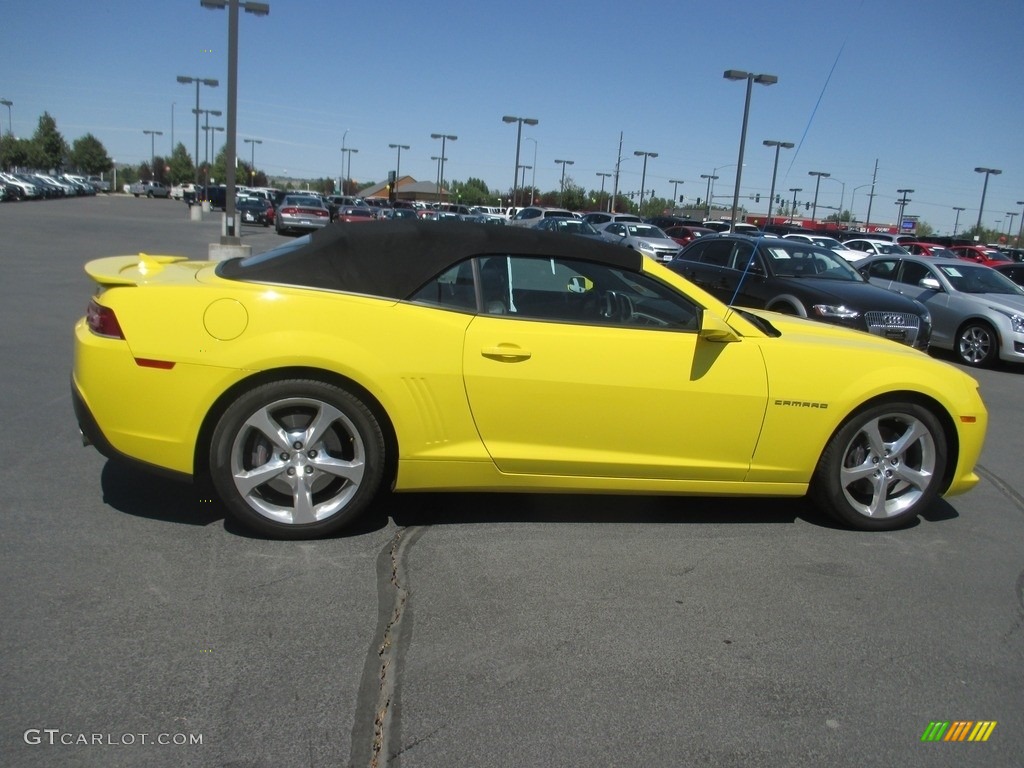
point(182, 170)
point(89, 156)
point(49, 150)
point(14, 152)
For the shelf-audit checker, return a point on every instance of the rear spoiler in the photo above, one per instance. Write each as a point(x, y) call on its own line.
point(128, 270)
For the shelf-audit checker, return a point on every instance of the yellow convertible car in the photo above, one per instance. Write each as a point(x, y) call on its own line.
point(428, 356)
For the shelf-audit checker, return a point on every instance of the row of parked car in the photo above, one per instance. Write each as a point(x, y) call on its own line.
point(45, 186)
point(964, 298)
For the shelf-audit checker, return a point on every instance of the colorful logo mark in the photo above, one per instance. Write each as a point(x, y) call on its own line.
point(958, 730)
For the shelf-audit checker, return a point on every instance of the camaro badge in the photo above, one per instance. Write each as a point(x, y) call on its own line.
point(802, 404)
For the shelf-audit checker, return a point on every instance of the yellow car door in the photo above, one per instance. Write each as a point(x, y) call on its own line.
point(612, 399)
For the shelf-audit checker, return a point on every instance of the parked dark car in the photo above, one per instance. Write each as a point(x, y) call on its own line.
point(1013, 270)
point(798, 278)
point(255, 210)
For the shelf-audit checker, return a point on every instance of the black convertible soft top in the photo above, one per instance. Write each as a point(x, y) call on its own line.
point(393, 259)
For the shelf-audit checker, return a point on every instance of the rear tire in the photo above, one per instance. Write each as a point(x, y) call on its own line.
point(882, 468)
point(297, 459)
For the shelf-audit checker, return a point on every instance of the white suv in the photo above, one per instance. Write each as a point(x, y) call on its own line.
point(532, 214)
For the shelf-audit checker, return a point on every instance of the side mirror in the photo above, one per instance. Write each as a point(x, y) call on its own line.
point(715, 329)
point(930, 283)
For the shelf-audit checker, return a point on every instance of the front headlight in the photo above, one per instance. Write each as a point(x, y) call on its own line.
point(643, 246)
point(1017, 323)
point(840, 312)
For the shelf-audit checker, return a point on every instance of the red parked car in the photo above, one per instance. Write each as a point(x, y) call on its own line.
point(684, 234)
point(929, 249)
point(979, 253)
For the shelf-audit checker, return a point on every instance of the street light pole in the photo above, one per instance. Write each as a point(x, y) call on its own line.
point(988, 172)
point(751, 78)
point(206, 140)
point(533, 171)
point(902, 202)
point(675, 191)
point(707, 202)
point(152, 149)
point(956, 222)
point(519, 136)
point(348, 173)
point(210, 83)
point(444, 137)
point(561, 193)
point(1020, 232)
point(603, 177)
point(814, 208)
point(792, 211)
point(775, 169)
point(252, 157)
point(8, 103)
point(437, 177)
point(258, 9)
point(398, 163)
point(643, 175)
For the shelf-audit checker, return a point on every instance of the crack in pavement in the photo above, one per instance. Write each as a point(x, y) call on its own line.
point(376, 724)
point(1002, 486)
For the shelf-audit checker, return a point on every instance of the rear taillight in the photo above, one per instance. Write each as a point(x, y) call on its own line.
point(321, 214)
point(290, 211)
point(102, 321)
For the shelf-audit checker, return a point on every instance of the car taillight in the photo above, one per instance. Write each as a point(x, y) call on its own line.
point(290, 211)
point(102, 321)
point(321, 214)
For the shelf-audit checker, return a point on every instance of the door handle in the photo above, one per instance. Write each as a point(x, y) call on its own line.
point(506, 353)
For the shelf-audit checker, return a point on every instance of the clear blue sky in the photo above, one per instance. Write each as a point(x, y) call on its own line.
point(928, 89)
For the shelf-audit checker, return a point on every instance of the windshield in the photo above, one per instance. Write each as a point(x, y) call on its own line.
point(644, 230)
point(826, 242)
point(978, 279)
point(789, 260)
point(573, 225)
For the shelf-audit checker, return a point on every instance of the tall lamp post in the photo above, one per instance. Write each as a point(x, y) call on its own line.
point(751, 78)
point(1020, 232)
point(525, 168)
point(707, 202)
point(210, 83)
point(775, 170)
point(152, 149)
point(956, 222)
point(8, 103)
point(675, 191)
point(348, 173)
point(853, 202)
point(398, 162)
point(561, 193)
point(444, 137)
point(206, 139)
point(533, 171)
point(603, 177)
point(988, 172)
point(1009, 229)
point(519, 137)
point(437, 178)
point(252, 157)
point(817, 184)
point(257, 9)
point(902, 203)
point(643, 174)
point(792, 211)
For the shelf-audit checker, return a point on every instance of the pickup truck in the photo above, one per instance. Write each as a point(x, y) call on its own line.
point(149, 189)
point(215, 195)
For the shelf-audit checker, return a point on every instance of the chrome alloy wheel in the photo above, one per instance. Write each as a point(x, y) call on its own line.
point(975, 345)
point(297, 460)
point(888, 465)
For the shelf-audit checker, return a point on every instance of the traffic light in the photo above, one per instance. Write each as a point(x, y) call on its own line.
point(807, 206)
point(757, 198)
point(698, 202)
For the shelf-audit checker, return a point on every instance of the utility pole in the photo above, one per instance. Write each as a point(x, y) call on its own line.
point(615, 189)
point(871, 194)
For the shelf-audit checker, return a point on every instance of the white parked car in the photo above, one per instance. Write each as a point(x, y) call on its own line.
point(828, 242)
point(532, 214)
point(871, 247)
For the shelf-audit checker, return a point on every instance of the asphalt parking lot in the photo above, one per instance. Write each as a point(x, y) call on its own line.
point(141, 628)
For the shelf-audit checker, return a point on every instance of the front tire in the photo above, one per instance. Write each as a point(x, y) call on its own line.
point(882, 468)
point(297, 459)
point(976, 345)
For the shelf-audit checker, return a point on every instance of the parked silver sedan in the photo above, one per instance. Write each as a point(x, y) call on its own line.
point(977, 313)
point(646, 238)
point(302, 213)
